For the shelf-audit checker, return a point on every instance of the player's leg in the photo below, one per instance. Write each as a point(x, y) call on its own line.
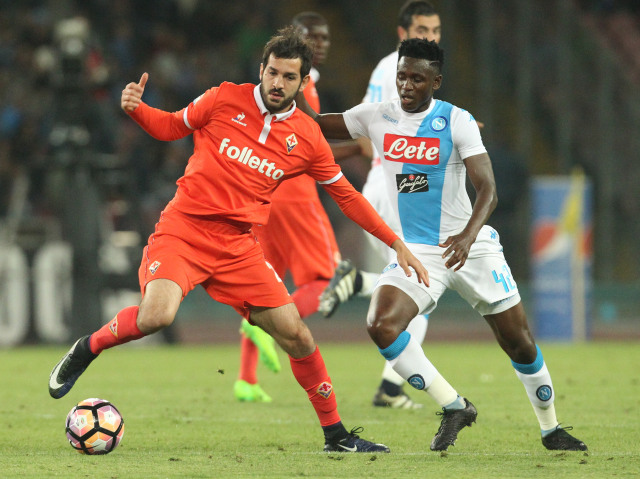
point(156, 311)
point(246, 281)
point(246, 387)
point(390, 391)
point(390, 312)
point(285, 326)
point(255, 344)
point(511, 329)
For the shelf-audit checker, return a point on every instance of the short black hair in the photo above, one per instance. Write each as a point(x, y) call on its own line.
point(423, 49)
point(306, 19)
point(414, 7)
point(290, 43)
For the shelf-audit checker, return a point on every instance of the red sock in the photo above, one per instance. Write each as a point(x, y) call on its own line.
point(119, 330)
point(312, 375)
point(307, 297)
point(248, 360)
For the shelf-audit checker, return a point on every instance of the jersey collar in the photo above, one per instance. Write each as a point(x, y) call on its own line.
point(263, 109)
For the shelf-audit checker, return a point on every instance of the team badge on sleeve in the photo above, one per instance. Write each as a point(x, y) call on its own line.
point(292, 141)
point(113, 326)
point(154, 267)
point(325, 389)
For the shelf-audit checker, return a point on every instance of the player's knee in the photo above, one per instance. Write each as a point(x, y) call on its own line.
point(382, 329)
point(298, 344)
point(523, 351)
point(151, 321)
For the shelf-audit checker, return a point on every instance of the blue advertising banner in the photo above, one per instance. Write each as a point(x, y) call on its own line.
point(562, 256)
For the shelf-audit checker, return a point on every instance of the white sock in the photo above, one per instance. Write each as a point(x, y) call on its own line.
point(412, 365)
point(369, 281)
point(537, 383)
point(418, 330)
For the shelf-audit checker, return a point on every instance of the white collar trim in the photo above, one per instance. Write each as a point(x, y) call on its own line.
point(263, 109)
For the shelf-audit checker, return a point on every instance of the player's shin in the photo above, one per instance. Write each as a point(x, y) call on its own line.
point(408, 360)
point(121, 329)
point(418, 329)
point(311, 373)
point(537, 383)
point(248, 360)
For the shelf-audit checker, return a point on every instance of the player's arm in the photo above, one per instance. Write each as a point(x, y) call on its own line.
point(332, 124)
point(359, 210)
point(480, 173)
point(159, 124)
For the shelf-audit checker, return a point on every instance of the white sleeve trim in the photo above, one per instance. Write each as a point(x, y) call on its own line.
point(332, 180)
point(186, 121)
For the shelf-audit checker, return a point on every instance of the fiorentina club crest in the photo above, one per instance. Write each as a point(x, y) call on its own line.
point(113, 327)
point(154, 267)
point(325, 389)
point(292, 141)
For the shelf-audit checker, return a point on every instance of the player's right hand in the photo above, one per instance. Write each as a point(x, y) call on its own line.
point(132, 94)
point(408, 261)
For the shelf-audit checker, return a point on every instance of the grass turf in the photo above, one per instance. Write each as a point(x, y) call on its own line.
point(182, 420)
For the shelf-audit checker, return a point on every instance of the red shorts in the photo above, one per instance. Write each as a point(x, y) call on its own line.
point(299, 239)
point(223, 256)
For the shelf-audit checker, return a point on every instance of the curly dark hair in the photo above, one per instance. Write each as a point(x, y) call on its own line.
point(290, 43)
point(424, 49)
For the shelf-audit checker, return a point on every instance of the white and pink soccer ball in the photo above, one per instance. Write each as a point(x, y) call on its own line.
point(94, 426)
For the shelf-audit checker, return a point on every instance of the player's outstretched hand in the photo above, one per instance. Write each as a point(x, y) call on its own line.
point(407, 260)
point(132, 94)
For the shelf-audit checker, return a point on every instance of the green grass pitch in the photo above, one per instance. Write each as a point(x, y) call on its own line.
point(182, 420)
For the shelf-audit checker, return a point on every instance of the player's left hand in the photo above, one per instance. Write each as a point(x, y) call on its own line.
point(407, 260)
point(457, 251)
point(132, 94)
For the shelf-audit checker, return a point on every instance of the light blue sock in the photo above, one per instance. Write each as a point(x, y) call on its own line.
point(457, 404)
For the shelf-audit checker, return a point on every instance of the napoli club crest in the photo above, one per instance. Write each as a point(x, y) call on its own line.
point(439, 123)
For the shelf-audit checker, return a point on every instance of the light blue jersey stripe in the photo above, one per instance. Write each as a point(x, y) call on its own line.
point(420, 223)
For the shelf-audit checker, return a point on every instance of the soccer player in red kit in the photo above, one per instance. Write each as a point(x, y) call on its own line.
point(247, 139)
point(298, 238)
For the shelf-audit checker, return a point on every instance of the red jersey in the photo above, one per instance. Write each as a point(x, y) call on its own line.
point(242, 152)
point(303, 187)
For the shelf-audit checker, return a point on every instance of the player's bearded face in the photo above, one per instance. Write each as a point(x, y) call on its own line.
point(280, 82)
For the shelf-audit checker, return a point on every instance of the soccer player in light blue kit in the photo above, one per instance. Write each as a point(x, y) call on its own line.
point(416, 19)
point(427, 149)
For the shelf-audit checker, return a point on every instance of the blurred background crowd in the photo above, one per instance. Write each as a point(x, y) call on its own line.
point(557, 84)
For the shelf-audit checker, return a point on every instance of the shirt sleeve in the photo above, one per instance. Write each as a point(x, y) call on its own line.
point(323, 168)
point(160, 124)
point(166, 126)
point(198, 113)
point(357, 119)
point(466, 134)
point(359, 210)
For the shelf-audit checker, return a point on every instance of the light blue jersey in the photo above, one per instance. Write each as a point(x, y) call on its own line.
point(422, 156)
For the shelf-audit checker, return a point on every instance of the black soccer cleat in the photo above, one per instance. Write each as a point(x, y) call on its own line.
point(341, 288)
point(70, 367)
point(453, 421)
point(353, 443)
point(561, 440)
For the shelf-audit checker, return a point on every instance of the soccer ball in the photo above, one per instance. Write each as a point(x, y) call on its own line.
point(94, 426)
